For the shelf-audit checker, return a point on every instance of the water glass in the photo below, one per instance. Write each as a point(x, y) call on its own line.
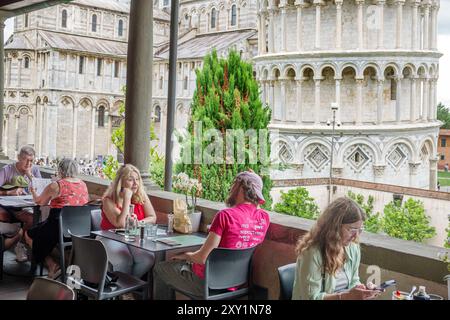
point(131, 228)
point(152, 230)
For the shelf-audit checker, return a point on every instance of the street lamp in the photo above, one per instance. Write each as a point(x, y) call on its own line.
point(334, 108)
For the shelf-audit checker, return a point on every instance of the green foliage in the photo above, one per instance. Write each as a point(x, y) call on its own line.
point(226, 97)
point(443, 114)
point(156, 166)
point(407, 221)
point(111, 167)
point(297, 202)
point(373, 221)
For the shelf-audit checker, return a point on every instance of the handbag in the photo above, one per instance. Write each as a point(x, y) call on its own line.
point(181, 220)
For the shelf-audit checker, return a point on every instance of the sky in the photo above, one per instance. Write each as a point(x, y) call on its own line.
point(443, 47)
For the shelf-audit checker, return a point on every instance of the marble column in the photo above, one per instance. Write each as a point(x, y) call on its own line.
point(431, 100)
point(317, 100)
point(380, 5)
point(399, 24)
point(271, 31)
point(299, 100)
point(426, 86)
point(415, 22)
point(260, 36)
point(139, 86)
point(398, 103)
point(337, 95)
point(74, 131)
point(283, 99)
point(272, 95)
point(299, 4)
point(412, 109)
point(359, 100)
point(283, 25)
point(426, 26)
point(318, 4)
point(92, 131)
point(19, 73)
point(339, 24)
point(263, 33)
point(360, 4)
point(433, 174)
point(380, 102)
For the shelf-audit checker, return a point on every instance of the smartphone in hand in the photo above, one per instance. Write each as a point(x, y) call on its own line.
point(382, 287)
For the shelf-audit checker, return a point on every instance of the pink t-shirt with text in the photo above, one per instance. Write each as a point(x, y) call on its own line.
point(240, 227)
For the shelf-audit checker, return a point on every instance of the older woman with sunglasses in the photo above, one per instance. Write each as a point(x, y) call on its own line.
point(329, 256)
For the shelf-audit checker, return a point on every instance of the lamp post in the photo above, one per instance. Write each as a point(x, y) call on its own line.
point(334, 108)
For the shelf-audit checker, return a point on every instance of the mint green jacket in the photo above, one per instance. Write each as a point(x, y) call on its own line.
point(308, 273)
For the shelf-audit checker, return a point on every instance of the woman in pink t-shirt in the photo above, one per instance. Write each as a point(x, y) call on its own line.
point(243, 225)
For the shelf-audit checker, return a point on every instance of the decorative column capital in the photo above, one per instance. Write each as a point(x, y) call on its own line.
point(299, 3)
point(380, 81)
point(317, 79)
point(319, 2)
point(359, 81)
point(337, 172)
point(433, 163)
point(339, 3)
point(382, 2)
point(413, 166)
point(359, 2)
point(399, 2)
point(298, 167)
point(378, 170)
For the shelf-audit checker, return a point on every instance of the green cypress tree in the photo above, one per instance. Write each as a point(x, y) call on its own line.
point(227, 97)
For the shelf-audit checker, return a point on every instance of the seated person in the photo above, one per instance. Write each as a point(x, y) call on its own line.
point(126, 189)
point(66, 191)
point(186, 270)
point(17, 177)
point(329, 256)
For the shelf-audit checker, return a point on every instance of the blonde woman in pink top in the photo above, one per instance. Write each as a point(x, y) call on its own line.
point(243, 225)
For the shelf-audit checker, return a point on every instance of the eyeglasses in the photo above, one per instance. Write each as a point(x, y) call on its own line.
point(355, 230)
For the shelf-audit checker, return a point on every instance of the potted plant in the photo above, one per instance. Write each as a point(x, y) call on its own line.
point(192, 188)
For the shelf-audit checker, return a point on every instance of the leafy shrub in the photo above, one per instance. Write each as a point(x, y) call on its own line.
point(407, 221)
point(298, 202)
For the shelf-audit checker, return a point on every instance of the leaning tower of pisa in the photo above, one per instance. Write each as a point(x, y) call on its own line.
point(377, 61)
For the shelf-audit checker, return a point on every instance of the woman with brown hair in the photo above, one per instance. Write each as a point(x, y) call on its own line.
point(329, 256)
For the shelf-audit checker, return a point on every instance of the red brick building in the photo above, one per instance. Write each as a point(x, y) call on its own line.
point(444, 148)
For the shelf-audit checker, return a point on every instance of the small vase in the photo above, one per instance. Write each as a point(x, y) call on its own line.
point(196, 217)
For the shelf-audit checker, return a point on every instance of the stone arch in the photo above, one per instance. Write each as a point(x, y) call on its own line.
point(275, 72)
point(359, 141)
point(395, 68)
point(104, 103)
point(46, 100)
point(66, 100)
point(373, 66)
point(38, 100)
point(430, 144)
point(305, 143)
point(403, 141)
point(86, 102)
point(287, 68)
point(24, 110)
point(328, 65)
point(282, 145)
point(422, 71)
point(307, 67)
point(411, 69)
point(11, 109)
point(264, 74)
point(346, 66)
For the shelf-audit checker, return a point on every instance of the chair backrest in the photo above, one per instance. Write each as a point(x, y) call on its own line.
point(286, 276)
point(227, 268)
point(77, 219)
point(91, 257)
point(96, 219)
point(48, 289)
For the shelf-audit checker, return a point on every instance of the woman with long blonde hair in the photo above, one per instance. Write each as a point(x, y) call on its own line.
point(127, 189)
point(329, 256)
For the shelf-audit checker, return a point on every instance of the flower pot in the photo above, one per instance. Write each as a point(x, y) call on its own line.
point(195, 217)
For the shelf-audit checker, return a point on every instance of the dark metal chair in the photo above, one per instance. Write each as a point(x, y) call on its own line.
point(76, 220)
point(90, 256)
point(226, 268)
point(286, 275)
point(48, 289)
